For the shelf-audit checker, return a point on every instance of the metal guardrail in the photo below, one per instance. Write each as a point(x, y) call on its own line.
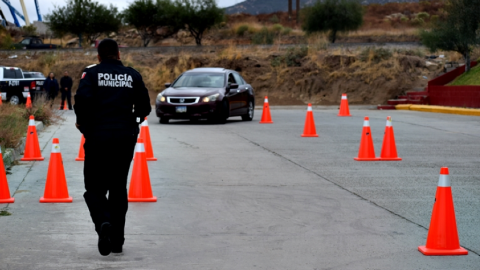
point(212, 48)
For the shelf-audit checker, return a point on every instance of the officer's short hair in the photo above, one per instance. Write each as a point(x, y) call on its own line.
point(108, 48)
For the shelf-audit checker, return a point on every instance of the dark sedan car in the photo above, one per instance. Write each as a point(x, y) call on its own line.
point(206, 93)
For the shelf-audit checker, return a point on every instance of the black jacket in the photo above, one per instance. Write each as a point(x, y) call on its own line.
point(51, 86)
point(66, 82)
point(111, 101)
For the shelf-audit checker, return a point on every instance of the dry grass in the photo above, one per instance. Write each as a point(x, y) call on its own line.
point(13, 125)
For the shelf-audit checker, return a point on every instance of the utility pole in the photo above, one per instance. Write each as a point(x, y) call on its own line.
point(298, 11)
point(289, 10)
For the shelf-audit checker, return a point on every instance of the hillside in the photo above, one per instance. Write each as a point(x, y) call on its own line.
point(269, 6)
point(470, 78)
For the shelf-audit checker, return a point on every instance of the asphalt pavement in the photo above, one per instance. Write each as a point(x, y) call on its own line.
point(250, 196)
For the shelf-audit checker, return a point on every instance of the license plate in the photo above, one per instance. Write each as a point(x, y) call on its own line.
point(181, 109)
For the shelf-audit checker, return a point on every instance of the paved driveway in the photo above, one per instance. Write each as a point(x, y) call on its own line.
point(251, 196)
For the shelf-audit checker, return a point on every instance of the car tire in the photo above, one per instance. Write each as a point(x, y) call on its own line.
point(164, 120)
point(15, 99)
point(250, 113)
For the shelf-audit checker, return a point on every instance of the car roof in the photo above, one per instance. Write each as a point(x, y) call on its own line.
point(210, 69)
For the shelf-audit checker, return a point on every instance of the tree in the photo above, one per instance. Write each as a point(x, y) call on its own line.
point(101, 20)
point(146, 16)
point(459, 31)
point(81, 17)
point(333, 16)
point(198, 16)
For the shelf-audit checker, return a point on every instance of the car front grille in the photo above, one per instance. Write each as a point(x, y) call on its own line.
point(183, 100)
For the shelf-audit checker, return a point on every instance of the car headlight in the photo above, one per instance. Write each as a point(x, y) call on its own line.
point(211, 98)
point(161, 98)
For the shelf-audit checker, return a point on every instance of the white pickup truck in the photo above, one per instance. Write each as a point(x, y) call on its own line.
point(15, 84)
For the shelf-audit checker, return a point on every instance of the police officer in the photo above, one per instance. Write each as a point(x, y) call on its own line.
point(110, 103)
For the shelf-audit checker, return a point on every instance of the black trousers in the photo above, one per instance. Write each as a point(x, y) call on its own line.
point(68, 96)
point(107, 162)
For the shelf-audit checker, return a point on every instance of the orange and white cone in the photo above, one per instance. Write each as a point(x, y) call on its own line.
point(140, 188)
point(389, 148)
point(366, 151)
point(81, 151)
point(309, 129)
point(32, 146)
point(64, 106)
point(56, 190)
point(145, 135)
point(1, 97)
point(442, 239)
point(4, 190)
point(344, 110)
point(28, 104)
point(266, 117)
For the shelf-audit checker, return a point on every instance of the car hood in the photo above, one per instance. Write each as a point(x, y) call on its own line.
point(191, 91)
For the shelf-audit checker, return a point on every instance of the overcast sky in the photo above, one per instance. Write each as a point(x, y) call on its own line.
point(46, 6)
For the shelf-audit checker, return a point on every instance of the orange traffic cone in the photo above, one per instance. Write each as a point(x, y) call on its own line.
point(389, 149)
point(309, 130)
point(64, 105)
point(56, 190)
point(140, 188)
point(145, 136)
point(28, 105)
point(32, 147)
point(81, 151)
point(366, 151)
point(344, 111)
point(266, 117)
point(442, 236)
point(4, 190)
point(1, 97)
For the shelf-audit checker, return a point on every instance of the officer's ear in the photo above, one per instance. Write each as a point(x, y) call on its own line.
point(99, 58)
point(118, 55)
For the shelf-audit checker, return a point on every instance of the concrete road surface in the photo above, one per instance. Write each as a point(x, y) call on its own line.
point(249, 196)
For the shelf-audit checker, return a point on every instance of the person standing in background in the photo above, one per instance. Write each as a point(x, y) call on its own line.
point(66, 89)
point(50, 85)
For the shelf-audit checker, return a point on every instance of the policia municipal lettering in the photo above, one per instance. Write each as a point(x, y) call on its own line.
point(110, 103)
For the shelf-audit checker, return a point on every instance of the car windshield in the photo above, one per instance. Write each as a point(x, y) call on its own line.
point(25, 41)
point(196, 79)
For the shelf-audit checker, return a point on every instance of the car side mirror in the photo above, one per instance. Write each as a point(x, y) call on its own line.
point(167, 85)
point(233, 86)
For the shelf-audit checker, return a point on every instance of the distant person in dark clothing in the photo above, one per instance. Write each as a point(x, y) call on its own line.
point(51, 87)
point(66, 90)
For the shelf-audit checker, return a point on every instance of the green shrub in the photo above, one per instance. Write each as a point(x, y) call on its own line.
point(242, 29)
point(287, 31)
point(294, 55)
point(417, 22)
point(423, 15)
point(375, 54)
point(264, 36)
point(292, 58)
point(274, 19)
point(404, 19)
point(434, 18)
point(277, 28)
point(29, 30)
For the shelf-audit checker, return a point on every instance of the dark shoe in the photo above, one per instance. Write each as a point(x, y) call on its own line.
point(117, 249)
point(104, 245)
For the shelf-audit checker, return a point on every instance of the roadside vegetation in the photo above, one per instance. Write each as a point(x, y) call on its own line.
point(14, 120)
point(470, 78)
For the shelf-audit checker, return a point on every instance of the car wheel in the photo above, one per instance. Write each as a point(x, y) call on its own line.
point(249, 115)
point(164, 120)
point(15, 99)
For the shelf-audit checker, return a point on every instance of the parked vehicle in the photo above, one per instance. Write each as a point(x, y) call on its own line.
point(212, 93)
point(34, 43)
point(16, 84)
